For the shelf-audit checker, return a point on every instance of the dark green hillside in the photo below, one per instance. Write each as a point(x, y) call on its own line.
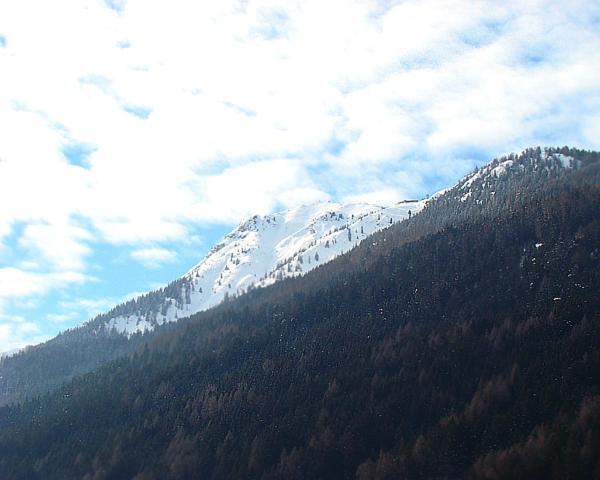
point(460, 349)
point(487, 194)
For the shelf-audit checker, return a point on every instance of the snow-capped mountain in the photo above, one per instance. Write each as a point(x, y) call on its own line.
point(265, 249)
point(259, 252)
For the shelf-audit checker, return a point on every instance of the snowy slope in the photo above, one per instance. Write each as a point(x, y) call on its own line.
point(261, 251)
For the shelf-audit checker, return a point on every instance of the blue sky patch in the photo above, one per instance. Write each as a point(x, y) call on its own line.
point(9, 245)
point(272, 24)
point(78, 153)
point(532, 59)
point(116, 5)
point(99, 81)
point(140, 112)
point(2, 41)
point(239, 108)
point(335, 146)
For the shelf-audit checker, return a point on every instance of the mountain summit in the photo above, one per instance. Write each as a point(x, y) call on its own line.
point(258, 253)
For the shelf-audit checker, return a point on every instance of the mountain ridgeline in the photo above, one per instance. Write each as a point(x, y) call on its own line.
point(459, 343)
point(258, 253)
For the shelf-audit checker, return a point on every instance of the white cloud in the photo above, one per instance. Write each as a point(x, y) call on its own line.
point(253, 188)
point(20, 288)
point(152, 257)
point(11, 318)
point(86, 308)
point(378, 197)
point(232, 84)
point(16, 283)
point(16, 335)
point(60, 317)
point(60, 244)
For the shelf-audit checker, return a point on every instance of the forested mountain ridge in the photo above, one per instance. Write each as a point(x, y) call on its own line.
point(259, 252)
point(456, 344)
point(503, 184)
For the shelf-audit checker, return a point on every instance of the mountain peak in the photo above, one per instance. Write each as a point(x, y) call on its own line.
point(259, 252)
point(264, 249)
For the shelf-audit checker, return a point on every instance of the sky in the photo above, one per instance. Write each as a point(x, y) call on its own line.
point(136, 133)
